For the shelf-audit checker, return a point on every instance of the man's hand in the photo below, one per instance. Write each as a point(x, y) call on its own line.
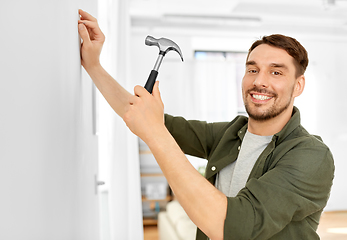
point(145, 113)
point(93, 39)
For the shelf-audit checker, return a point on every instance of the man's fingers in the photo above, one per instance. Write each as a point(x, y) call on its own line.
point(83, 33)
point(140, 91)
point(94, 31)
point(90, 24)
point(86, 16)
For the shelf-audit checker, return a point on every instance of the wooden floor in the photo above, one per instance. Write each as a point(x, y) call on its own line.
point(150, 233)
point(333, 226)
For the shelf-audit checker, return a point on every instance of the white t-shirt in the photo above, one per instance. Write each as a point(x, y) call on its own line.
point(231, 179)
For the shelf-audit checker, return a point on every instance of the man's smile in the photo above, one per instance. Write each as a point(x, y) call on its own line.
point(257, 97)
point(260, 97)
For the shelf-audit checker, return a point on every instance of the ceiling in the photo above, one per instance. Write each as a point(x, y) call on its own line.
point(303, 15)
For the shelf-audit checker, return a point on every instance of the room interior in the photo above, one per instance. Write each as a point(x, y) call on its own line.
point(70, 168)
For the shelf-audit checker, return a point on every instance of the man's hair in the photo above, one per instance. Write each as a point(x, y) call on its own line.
point(290, 45)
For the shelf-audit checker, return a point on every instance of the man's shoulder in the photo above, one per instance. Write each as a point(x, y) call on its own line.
point(302, 142)
point(302, 136)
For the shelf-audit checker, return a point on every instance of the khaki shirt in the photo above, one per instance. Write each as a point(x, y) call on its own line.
point(287, 188)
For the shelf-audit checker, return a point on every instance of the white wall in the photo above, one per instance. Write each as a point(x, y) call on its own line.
point(328, 64)
point(48, 154)
point(322, 104)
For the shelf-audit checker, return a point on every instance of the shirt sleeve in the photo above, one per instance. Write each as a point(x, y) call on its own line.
point(296, 187)
point(195, 138)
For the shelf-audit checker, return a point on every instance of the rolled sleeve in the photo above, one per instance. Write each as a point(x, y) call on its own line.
point(239, 221)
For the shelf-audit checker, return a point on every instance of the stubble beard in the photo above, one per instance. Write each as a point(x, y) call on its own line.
point(268, 114)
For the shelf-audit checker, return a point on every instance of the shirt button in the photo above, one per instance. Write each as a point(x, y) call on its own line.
point(240, 131)
point(239, 147)
point(213, 168)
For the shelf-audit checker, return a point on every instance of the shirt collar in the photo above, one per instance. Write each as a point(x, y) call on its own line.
point(293, 123)
point(241, 133)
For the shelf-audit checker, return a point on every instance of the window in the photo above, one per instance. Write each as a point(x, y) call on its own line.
point(239, 58)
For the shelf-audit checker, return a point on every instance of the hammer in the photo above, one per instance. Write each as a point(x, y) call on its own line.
point(165, 45)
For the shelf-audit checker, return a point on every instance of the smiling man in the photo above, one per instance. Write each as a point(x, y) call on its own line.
point(266, 176)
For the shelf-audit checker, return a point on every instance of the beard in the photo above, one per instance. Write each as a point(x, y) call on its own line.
point(269, 113)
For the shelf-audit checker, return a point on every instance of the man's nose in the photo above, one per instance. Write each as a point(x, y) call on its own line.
point(261, 80)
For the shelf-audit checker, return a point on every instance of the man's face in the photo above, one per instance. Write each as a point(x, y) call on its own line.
point(269, 82)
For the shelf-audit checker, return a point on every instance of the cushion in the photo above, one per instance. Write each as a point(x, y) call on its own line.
point(180, 221)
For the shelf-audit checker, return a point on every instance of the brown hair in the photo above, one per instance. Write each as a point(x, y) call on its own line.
point(290, 45)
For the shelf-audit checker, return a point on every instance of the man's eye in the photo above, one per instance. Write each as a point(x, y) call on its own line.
point(276, 73)
point(252, 71)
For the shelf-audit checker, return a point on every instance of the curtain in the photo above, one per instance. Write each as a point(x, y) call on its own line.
point(216, 90)
point(200, 89)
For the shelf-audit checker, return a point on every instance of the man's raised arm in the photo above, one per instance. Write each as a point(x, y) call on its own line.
point(93, 40)
point(143, 113)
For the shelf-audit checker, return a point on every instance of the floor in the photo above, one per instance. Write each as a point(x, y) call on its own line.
point(333, 226)
point(150, 233)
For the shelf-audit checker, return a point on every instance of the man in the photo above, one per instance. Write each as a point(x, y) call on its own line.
point(270, 178)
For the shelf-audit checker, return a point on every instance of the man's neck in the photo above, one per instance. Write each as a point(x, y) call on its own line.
point(271, 126)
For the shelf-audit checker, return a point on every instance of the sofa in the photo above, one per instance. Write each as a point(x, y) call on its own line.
point(174, 223)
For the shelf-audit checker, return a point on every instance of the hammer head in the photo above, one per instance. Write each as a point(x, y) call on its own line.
point(165, 45)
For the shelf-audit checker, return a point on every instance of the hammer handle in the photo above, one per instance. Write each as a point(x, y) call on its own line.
point(151, 80)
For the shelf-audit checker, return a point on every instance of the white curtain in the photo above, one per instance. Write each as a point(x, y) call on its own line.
point(119, 154)
point(216, 94)
point(200, 89)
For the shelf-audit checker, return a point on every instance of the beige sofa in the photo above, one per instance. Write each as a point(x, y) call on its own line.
point(174, 224)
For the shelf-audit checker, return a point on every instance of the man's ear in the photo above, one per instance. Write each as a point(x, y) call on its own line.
point(299, 86)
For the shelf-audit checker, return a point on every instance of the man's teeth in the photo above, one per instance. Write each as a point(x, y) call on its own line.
point(261, 97)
